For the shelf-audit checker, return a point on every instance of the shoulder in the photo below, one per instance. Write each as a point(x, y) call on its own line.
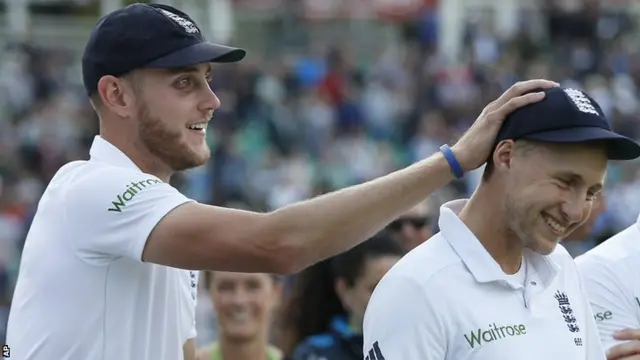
point(609, 269)
point(97, 187)
point(78, 172)
point(425, 266)
point(96, 178)
point(616, 252)
point(403, 299)
point(92, 191)
point(109, 210)
point(408, 287)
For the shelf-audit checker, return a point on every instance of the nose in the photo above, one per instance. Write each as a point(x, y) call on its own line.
point(575, 210)
point(239, 297)
point(211, 101)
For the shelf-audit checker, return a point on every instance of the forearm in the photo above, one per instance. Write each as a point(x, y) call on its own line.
point(324, 226)
point(293, 237)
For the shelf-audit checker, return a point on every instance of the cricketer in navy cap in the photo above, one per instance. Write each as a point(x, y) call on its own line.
point(564, 116)
point(147, 71)
point(548, 164)
point(147, 36)
point(567, 115)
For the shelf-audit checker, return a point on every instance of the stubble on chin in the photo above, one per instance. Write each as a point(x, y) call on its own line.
point(167, 144)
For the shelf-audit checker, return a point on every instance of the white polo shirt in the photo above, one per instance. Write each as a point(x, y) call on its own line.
point(449, 300)
point(610, 271)
point(83, 291)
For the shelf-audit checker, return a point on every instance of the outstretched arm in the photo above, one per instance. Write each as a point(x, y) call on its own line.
point(172, 231)
point(286, 240)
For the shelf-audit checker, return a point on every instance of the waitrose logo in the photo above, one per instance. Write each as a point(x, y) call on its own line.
point(121, 201)
point(492, 333)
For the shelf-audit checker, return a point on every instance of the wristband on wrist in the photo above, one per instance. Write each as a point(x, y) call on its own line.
point(456, 169)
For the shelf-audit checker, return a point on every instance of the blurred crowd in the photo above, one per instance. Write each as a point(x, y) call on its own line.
point(290, 130)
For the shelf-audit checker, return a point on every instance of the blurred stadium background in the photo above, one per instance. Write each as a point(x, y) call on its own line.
point(333, 93)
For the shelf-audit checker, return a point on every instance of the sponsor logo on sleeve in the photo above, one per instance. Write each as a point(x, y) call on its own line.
point(493, 332)
point(374, 353)
point(134, 188)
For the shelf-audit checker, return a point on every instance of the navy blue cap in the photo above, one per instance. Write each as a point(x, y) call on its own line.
point(567, 116)
point(147, 36)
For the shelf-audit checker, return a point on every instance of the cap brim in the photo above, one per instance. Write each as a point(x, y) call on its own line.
point(199, 53)
point(618, 147)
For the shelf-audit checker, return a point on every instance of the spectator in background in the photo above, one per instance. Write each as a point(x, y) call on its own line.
point(323, 317)
point(244, 304)
point(336, 79)
point(414, 227)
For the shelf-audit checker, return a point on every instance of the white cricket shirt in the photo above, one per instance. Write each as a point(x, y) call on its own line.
point(610, 271)
point(83, 292)
point(449, 300)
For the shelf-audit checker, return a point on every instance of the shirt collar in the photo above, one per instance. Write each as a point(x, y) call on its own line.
point(477, 259)
point(103, 151)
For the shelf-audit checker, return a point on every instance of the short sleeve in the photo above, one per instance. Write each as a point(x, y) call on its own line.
point(112, 211)
point(402, 323)
point(612, 304)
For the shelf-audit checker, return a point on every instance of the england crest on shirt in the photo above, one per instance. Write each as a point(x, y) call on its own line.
point(568, 316)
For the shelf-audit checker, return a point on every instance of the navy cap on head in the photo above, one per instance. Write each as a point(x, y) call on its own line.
point(147, 36)
point(567, 116)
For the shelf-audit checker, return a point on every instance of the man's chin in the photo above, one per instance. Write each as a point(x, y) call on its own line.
point(545, 247)
point(202, 161)
point(200, 155)
point(194, 160)
point(197, 162)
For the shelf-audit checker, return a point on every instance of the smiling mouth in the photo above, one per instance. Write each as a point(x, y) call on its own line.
point(555, 226)
point(198, 127)
point(240, 316)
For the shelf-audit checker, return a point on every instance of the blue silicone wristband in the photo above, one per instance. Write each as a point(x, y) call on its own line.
point(456, 169)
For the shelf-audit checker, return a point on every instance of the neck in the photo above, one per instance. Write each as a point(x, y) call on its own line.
point(485, 218)
point(254, 349)
point(138, 153)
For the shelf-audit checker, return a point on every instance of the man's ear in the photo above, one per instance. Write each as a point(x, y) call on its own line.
point(116, 95)
point(503, 154)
